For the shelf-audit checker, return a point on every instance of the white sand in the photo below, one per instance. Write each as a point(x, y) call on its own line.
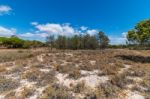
point(40, 57)
point(126, 67)
point(46, 70)
point(24, 83)
point(94, 72)
point(92, 80)
point(92, 62)
point(69, 54)
point(134, 95)
point(2, 96)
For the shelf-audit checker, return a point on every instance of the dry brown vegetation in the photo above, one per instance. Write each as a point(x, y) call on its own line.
point(81, 74)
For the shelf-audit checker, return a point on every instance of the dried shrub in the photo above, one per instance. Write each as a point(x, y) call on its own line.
point(79, 88)
point(135, 73)
point(108, 90)
point(120, 80)
point(75, 74)
point(10, 95)
point(7, 84)
point(16, 70)
point(26, 92)
point(2, 69)
point(32, 75)
point(56, 92)
point(46, 78)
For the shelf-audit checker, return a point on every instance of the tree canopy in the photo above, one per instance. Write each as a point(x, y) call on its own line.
point(141, 34)
point(75, 42)
point(16, 42)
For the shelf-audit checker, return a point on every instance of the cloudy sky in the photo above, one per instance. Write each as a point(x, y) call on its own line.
point(36, 19)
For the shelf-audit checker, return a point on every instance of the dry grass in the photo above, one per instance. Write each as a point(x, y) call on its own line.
point(10, 95)
point(7, 84)
point(26, 92)
point(26, 66)
point(35, 75)
point(15, 54)
point(2, 69)
point(80, 87)
point(56, 92)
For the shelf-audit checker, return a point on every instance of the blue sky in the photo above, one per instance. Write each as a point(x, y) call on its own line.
point(35, 19)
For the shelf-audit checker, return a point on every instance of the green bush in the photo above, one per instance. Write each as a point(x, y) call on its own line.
point(16, 42)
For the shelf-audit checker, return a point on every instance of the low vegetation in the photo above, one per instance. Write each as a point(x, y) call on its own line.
point(7, 84)
point(79, 74)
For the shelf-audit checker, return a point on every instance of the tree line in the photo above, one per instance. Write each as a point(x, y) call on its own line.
point(16, 42)
point(76, 42)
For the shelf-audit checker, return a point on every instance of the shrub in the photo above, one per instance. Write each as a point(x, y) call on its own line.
point(2, 69)
point(10, 95)
point(80, 87)
point(75, 74)
point(7, 84)
point(120, 80)
point(26, 92)
point(56, 92)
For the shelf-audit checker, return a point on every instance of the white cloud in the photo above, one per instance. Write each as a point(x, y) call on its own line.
point(57, 29)
point(28, 34)
point(33, 35)
point(6, 32)
point(34, 23)
point(83, 28)
point(124, 34)
point(50, 28)
point(63, 29)
point(118, 39)
point(4, 9)
point(92, 32)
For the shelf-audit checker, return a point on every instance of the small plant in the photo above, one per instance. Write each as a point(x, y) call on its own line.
point(2, 69)
point(16, 70)
point(108, 90)
point(56, 92)
point(32, 75)
point(75, 74)
point(46, 78)
point(7, 84)
point(97, 94)
point(26, 92)
point(136, 73)
point(10, 95)
point(120, 80)
point(79, 88)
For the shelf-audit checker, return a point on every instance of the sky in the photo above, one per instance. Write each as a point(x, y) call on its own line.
point(36, 19)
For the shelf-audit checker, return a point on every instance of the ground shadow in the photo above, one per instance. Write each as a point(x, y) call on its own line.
point(139, 59)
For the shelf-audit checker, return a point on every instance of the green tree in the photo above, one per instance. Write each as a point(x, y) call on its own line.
point(93, 42)
point(141, 34)
point(14, 42)
point(103, 40)
point(75, 42)
point(51, 41)
point(61, 42)
point(2, 40)
point(89, 42)
point(86, 39)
